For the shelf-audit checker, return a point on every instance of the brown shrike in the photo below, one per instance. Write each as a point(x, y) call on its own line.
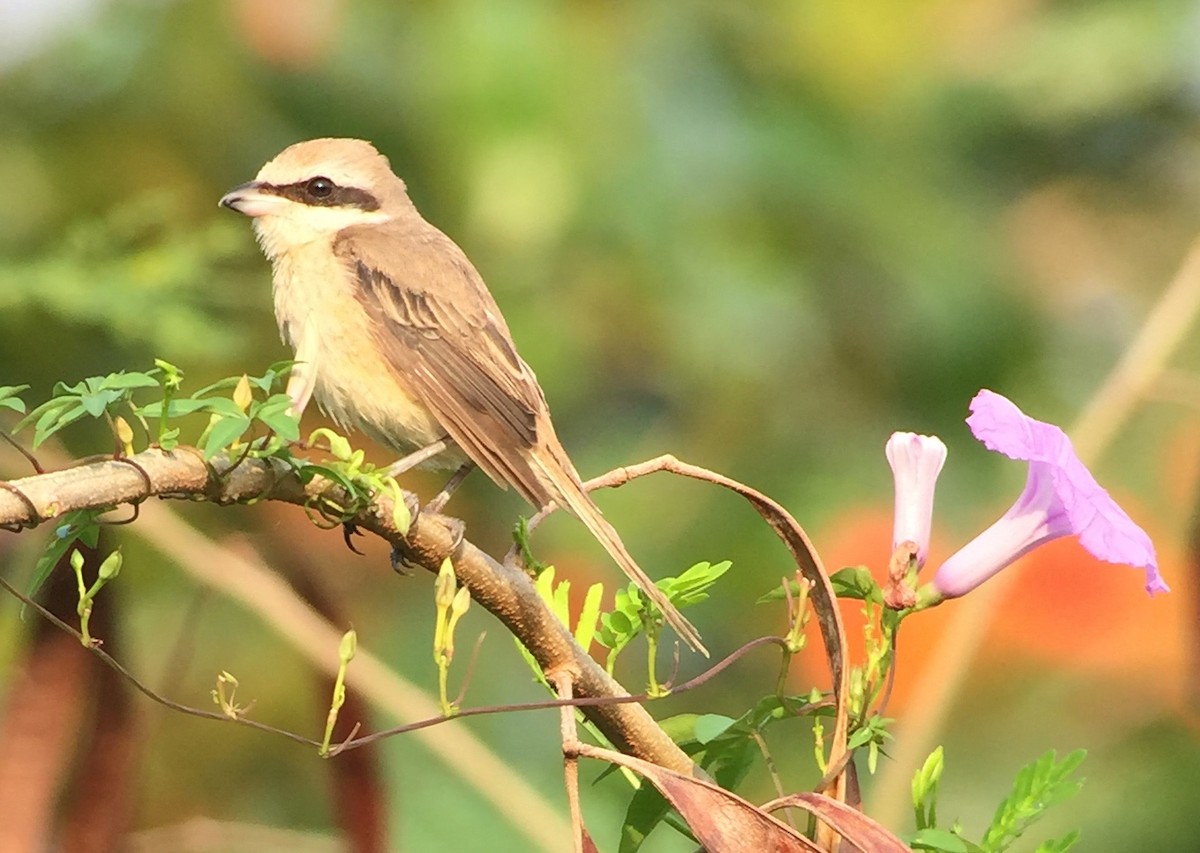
point(396, 334)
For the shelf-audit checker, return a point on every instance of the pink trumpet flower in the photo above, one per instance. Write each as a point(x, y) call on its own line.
point(916, 461)
point(1061, 498)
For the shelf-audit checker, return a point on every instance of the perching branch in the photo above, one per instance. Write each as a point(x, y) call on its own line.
point(504, 590)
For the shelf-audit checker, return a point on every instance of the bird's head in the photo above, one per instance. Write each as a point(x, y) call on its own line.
point(312, 190)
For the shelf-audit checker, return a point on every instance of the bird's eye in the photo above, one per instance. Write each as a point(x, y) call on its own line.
point(319, 187)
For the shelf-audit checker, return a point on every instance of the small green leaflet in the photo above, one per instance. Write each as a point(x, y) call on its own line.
point(9, 398)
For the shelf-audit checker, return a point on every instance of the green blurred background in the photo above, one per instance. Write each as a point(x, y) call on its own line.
point(758, 236)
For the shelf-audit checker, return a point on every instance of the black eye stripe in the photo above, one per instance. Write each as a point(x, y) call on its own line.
point(338, 196)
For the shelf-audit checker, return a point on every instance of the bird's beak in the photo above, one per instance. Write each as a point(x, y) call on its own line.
point(251, 200)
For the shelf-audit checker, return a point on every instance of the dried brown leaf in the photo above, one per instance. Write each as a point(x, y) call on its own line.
point(851, 824)
point(721, 821)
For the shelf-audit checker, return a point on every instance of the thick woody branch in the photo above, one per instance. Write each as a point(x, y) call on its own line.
point(505, 591)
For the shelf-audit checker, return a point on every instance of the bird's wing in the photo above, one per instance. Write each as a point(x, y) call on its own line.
point(449, 346)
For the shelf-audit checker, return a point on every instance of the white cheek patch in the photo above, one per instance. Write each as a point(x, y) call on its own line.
point(296, 225)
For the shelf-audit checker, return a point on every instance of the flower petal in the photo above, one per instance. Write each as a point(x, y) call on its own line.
point(1103, 528)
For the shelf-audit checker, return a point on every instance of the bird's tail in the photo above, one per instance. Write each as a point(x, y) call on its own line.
point(569, 494)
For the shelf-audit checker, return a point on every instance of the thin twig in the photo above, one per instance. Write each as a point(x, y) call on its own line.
point(773, 772)
point(575, 702)
point(142, 688)
point(356, 742)
point(29, 457)
point(562, 684)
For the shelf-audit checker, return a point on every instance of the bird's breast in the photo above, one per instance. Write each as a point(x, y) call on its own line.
point(338, 351)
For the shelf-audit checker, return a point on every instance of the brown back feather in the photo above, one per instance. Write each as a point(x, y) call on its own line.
point(450, 347)
point(448, 344)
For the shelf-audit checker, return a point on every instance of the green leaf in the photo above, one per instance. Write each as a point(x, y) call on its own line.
point(178, 407)
point(225, 432)
point(79, 525)
point(939, 839)
point(860, 738)
point(309, 470)
point(9, 398)
point(169, 440)
point(228, 383)
point(54, 420)
point(692, 586)
point(89, 529)
point(711, 726)
point(562, 602)
point(276, 413)
point(699, 575)
point(647, 808)
point(1038, 787)
point(589, 616)
point(39, 412)
point(925, 788)
point(618, 623)
point(856, 582)
point(225, 407)
point(1059, 845)
point(92, 396)
point(544, 584)
point(729, 758)
point(62, 389)
point(276, 375)
point(680, 728)
point(128, 381)
point(96, 404)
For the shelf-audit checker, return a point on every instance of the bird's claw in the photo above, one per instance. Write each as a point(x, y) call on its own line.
point(414, 508)
point(457, 527)
point(458, 534)
point(400, 563)
point(349, 528)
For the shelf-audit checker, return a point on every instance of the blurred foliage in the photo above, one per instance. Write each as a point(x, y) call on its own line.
point(136, 272)
point(759, 236)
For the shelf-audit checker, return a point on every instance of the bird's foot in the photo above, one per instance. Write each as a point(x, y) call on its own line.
point(458, 534)
point(349, 528)
point(456, 527)
point(400, 563)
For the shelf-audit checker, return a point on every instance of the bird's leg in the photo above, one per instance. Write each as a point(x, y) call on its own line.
point(399, 563)
point(415, 458)
point(412, 460)
point(441, 498)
